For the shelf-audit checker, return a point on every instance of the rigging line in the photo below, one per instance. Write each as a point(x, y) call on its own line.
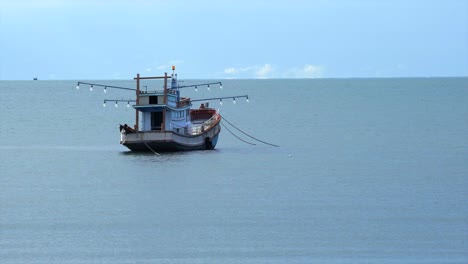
point(236, 135)
point(248, 134)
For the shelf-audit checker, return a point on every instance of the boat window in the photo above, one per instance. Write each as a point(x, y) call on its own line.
point(153, 100)
point(178, 114)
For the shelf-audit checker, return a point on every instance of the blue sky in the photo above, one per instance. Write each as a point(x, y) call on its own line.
point(83, 39)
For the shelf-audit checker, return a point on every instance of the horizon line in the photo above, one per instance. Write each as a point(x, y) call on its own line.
point(276, 78)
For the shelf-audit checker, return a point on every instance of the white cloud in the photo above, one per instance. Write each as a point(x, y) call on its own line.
point(264, 71)
point(307, 71)
point(175, 62)
point(269, 71)
point(231, 70)
point(312, 71)
point(379, 74)
point(169, 64)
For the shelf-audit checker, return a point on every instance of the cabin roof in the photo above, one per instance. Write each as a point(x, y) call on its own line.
point(150, 93)
point(159, 108)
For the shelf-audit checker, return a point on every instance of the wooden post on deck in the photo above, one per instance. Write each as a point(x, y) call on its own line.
point(163, 125)
point(137, 100)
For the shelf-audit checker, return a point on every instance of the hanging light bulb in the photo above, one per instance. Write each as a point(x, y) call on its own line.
point(105, 89)
point(247, 99)
point(116, 105)
point(196, 89)
point(91, 88)
point(104, 104)
point(78, 86)
point(220, 101)
point(234, 100)
point(128, 104)
point(220, 86)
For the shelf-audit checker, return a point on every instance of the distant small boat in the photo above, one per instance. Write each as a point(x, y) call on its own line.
point(35, 78)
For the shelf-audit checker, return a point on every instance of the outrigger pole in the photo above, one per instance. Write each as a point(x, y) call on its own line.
point(196, 100)
point(118, 100)
point(221, 98)
point(103, 85)
point(145, 78)
point(165, 77)
point(202, 84)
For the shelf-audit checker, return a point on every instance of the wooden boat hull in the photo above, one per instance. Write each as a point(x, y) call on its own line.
point(167, 141)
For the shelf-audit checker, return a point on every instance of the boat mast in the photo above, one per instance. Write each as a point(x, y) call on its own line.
point(163, 125)
point(137, 100)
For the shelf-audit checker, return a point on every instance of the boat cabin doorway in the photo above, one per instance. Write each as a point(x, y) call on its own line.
point(156, 120)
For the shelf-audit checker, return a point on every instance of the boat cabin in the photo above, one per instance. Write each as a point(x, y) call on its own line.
point(164, 110)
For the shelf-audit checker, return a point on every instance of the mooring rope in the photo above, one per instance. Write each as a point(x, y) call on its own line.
point(141, 136)
point(232, 133)
point(248, 134)
point(151, 149)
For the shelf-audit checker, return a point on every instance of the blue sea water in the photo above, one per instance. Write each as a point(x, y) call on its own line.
point(368, 171)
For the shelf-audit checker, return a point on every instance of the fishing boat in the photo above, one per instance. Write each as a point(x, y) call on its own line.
point(165, 121)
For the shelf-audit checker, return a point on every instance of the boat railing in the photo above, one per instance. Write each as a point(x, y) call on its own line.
point(210, 122)
point(197, 128)
point(179, 129)
point(155, 92)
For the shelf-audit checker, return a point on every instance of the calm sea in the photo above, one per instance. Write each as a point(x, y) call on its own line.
point(368, 171)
